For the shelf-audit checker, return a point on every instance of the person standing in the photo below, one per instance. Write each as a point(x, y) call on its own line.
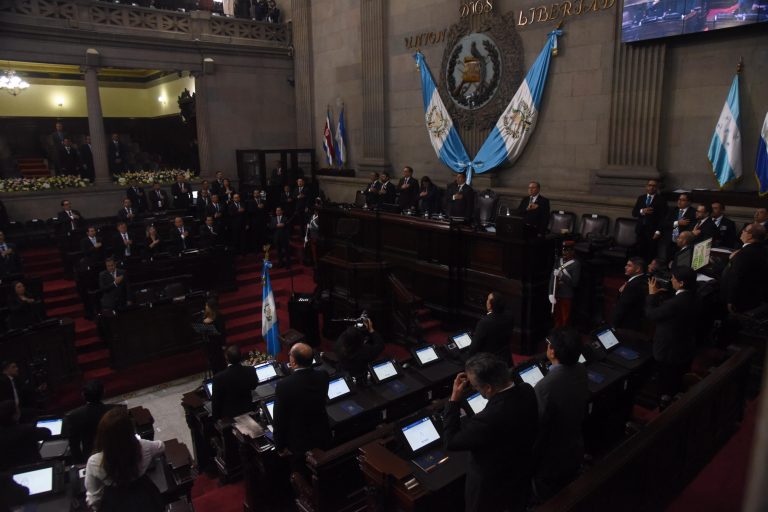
point(650, 210)
point(493, 331)
point(408, 188)
point(232, 387)
point(461, 198)
point(534, 209)
point(563, 283)
point(678, 220)
point(628, 312)
point(281, 229)
point(86, 159)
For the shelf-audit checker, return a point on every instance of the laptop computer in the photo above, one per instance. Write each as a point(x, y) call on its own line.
point(42, 480)
point(53, 424)
point(425, 355)
point(383, 371)
point(268, 407)
point(338, 389)
point(341, 407)
point(530, 374)
point(208, 388)
point(424, 442)
point(265, 372)
point(610, 349)
point(476, 403)
point(461, 341)
point(57, 446)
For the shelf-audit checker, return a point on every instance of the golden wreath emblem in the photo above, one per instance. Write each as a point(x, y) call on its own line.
point(437, 122)
point(518, 120)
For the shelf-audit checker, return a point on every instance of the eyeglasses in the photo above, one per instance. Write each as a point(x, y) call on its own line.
point(548, 342)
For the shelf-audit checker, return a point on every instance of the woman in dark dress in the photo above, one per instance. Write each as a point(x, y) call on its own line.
point(25, 310)
point(153, 243)
point(218, 342)
point(428, 200)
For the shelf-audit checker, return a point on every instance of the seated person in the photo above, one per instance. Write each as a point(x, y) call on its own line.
point(153, 245)
point(493, 331)
point(10, 263)
point(18, 442)
point(562, 396)
point(91, 246)
point(113, 286)
point(232, 387)
point(80, 424)
point(115, 476)
point(356, 348)
point(127, 213)
point(25, 311)
point(684, 245)
point(300, 402)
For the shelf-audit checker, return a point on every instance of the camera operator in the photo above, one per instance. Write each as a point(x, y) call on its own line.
point(358, 346)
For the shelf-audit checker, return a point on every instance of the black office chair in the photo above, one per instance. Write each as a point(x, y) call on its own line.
point(485, 207)
point(174, 290)
point(561, 222)
point(594, 233)
point(623, 241)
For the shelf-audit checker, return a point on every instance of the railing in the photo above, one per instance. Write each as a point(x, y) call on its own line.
point(102, 17)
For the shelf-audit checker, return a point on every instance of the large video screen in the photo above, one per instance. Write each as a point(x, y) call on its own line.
point(643, 19)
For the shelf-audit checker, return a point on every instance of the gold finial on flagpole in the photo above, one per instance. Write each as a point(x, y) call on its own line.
point(740, 66)
point(560, 25)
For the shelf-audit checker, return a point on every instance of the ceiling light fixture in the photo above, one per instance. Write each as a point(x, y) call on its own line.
point(11, 83)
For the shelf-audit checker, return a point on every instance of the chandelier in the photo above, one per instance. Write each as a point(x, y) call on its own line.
point(12, 83)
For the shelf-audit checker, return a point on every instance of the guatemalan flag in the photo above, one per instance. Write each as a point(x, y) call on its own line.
point(725, 148)
point(509, 137)
point(328, 140)
point(270, 329)
point(761, 162)
point(442, 133)
point(341, 137)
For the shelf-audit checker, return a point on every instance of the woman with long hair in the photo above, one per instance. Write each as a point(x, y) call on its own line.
point(115, 475)
point(216, 344)
point(153, 243)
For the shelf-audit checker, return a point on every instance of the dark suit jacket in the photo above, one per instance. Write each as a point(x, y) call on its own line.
point(80, 428)
point(538, 218)
point(212, 210)
point(356, 363)
point(673, 341)
point(672, 217)
point(408, 198)
point(25, 392)
point(181, 200)
point(562, 396)
point(492, 334)
point(372, 193)
point(122, 214)
point(156, 203)
point(430, 202)
point(86, 160)
point(112, 295)
point(69, 161)
point(500, 440)
point(24, 314)
point(232, 391)
point(464, 207)
point(300, 420)
point(89, 251)
point(726, 235)
point(10, 264)
point(390, 192)
point(64, 221)
point(708, 230)
point(647, 225)
point(629, 309)
point(744, 278)
point(138, 198)
point(208, 239)
point(18, 444)
point(119, 248)
point(303, 204)
point(235, 218)
point(281, 236)
point(178, 242)
point(115, 152)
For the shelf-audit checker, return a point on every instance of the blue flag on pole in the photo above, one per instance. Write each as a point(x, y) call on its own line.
point(761, 162)
point(341, 138)
point(725, 147)
point(270, 329)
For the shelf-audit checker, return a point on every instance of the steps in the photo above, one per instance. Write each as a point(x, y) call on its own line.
point(33, 167)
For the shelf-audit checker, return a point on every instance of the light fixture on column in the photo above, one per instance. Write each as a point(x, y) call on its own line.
point(11, 83)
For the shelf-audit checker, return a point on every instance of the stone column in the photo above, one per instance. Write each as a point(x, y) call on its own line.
point(301, 12)
point(202, 82)
point(95, 117)
point(372, 35)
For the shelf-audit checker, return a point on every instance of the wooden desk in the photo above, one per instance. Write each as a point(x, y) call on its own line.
point(55, 342)
point(452, 267)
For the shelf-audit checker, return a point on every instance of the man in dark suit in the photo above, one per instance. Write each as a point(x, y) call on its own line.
point(300, 419)
point(217, 186)
point(304, 198)
point(257, 220)
point(181, 192)
point(19, 442)
point(744, 279)
point(356, 348)
point(69, 219)
point(650, 210)
point(562, 396)
point(113, 286)
point(387, 191)
point(10, 263)
point(236, 220)
point(678, 220)
point(683, 249)
point(279, 177)
point(280, 226)
point(628, 312)
point(115, 155)
point(218, 211)
point(534, 209)
point(287, 201)
point(181, 238)
point(408, 187)
point(500, 439)
point(69, 160)
point(137, 196)
point(86, 159)
point(209, 236)
point(127, 213)
point(122, 243)
point(158, 199)
point(460, 198)
point(54, 142)
point(725, 228)
point(673, 339)
point(760, 217)
point(492, 332)
point(704, 227)
point(80, 424)
point(372, 190)
point(232, 387)
point(91, 246)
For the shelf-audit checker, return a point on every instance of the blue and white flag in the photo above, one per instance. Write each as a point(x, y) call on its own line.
point(443, 135)
point(725, 148)
point(761, 162)
point(509, 137)
point(341, 137)
point(270, 329)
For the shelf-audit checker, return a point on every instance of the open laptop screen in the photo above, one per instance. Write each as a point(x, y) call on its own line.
point(384, 371)
point(209, 387)
point(701, 254)
point(420, 433)
point(54, 425)
point(265, 372)
point(271, 409)
point(607, 339)
point(337, 388)
point(426, 355)
point(38, 481)
point(462, 340)
point(531, 375)
point(477, 403)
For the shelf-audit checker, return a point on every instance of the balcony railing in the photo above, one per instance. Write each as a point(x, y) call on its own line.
point(103, 17)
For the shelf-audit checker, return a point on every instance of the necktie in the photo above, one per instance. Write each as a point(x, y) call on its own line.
point(533, 200)
point(676, 231)
point(279, 219)
point(210, 228)
point(648, 200)
point(15, 393)
point(93, 241)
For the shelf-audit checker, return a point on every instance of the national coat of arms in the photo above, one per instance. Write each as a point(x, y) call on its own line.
point(518, 120)
point(437, 122)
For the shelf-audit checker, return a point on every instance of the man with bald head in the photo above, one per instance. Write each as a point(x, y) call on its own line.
point(300, 418)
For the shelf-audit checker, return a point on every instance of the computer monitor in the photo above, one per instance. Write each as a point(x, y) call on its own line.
point(477, 403)
point(462, 340)
point(208, 386)
point(265, 372)
point(270, 407)
point(582, 359)
point(38, 481)
point(607, 338)
point(420, 434)
point(338, 388)
point(426, 355)
point(54, 425)
point(195, 193)
point(531, 375)
point(701, 252)
point(384, 371)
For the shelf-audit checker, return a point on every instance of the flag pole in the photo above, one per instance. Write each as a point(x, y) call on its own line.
point(740, 66)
